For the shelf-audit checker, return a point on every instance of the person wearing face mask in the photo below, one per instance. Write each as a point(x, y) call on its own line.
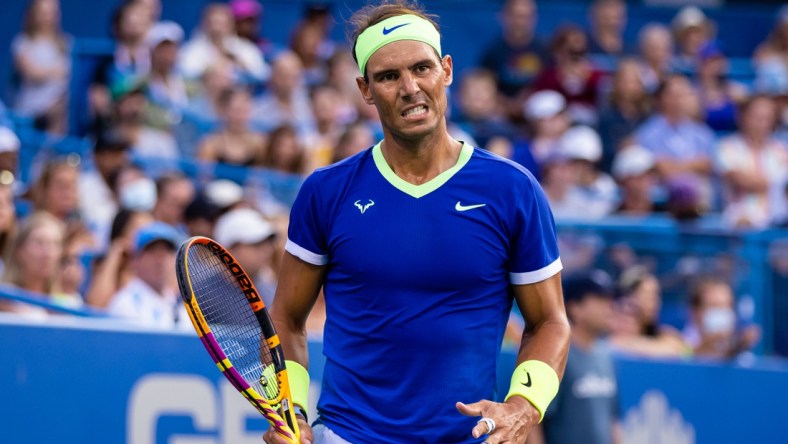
point(712, 331)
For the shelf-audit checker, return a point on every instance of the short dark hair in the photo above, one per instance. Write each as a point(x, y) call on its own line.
point(699, 287)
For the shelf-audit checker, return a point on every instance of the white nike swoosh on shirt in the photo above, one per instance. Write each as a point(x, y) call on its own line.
point(461, 207)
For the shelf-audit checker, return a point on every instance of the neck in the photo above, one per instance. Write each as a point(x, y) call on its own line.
point(419, 160)
point(755, 141)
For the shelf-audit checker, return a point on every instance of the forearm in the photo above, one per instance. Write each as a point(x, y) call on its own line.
point(547, 341)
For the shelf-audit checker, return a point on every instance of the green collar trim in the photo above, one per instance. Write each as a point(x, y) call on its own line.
point(422, 190)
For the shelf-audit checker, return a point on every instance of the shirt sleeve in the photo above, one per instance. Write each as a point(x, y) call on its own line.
point(306, 234)
point(534, 250)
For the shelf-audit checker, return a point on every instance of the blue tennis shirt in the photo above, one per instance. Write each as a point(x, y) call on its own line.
point(418, 287)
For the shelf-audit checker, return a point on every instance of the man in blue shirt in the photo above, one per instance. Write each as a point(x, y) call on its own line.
point(420, 244)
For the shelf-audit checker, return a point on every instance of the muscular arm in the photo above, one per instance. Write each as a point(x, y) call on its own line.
point(546, 336)
point(296, 292)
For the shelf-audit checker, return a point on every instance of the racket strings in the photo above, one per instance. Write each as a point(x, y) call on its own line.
point(232, 321)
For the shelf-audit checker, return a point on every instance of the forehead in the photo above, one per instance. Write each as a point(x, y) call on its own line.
point(400, 54)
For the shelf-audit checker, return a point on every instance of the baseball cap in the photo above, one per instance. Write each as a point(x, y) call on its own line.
point(243, 9)
point(164, 31)
point(111, 140)
point(581, 143)
point(688, 16)
point(9, 142)
point(125, 86)
point(224, 193)
point(156, 231)
point(242, 226)
point(579, 285)
point(633, 161)
point(710, 50)
point(544, 104)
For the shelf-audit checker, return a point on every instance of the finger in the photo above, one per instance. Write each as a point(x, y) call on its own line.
point(475, 409)
point(480, 429)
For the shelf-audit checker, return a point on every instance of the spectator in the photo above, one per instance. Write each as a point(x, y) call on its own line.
point(251, 240)
point(560, 187)
point(633, 168)
point(42, 59)
point(712, 331)
point(174, 193)
point(72, 271)
point(754, 167)
point(775, 47)
point(97, 200)
point(549, 120)
point(131, 59)
point(9, 151)
point(200, 216)
point(356, 138)
point(572, 74)
point(154, 9)
point(285, 152)
point(582, 147)
point(216, 42)
point(306, 43)
point(342, 74)
point(628, 107)
point(7, 220)
point(113, 270)
point(656, 54)
point(247, 15)
point(32, 261)
point(151, 298)
point(608, 20)
point(205, 106)
point(718, 95)
point(480, 111)
point(328, 125)
point(134, 189)
point(286, 101)
point(131, 105)
point(587, 408)
point(691, 29)
point(166, 88)
point(681, 145)
point(56, 190)
point(235, 143)
point(637, 327)
point(516, 57)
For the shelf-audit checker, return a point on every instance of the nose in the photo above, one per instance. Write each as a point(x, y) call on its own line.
point(408, 85)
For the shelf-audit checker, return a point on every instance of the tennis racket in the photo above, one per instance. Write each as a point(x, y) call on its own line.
point(234, 326)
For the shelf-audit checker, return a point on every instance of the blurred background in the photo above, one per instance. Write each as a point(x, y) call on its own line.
point(658, 129)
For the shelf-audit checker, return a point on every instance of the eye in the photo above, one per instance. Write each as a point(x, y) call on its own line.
point(388, 77)
point(422, 69)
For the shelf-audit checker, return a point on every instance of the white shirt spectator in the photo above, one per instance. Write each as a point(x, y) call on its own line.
point(199, 53)
point(35, 98)
point(140, 303)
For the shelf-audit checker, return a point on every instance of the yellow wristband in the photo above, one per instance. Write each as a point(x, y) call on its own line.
point(298, 377)
point(535, 381)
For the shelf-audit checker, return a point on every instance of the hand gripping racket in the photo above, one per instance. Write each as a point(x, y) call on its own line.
point(234, 326)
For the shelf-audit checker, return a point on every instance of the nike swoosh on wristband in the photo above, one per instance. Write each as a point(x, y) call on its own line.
point(527, 383)
point(461, 207)
point(387, 31)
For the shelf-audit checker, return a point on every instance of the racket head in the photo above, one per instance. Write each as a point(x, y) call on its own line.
point(235, 328)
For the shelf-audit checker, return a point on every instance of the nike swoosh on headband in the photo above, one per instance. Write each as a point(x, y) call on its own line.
point(387, 31)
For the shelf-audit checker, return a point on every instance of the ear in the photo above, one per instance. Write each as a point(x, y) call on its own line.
point(448, 70)
point(363, 87)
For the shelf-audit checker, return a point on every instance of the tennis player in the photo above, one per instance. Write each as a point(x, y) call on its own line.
point(420, 243)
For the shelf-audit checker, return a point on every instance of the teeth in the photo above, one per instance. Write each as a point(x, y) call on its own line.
point(421, 109)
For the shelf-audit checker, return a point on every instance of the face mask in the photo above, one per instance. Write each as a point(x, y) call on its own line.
point(718, 320)
point(139, 195)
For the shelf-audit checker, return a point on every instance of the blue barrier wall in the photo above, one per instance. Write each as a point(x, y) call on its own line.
point(87, 381)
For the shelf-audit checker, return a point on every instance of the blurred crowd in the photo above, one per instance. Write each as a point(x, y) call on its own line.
point(608, 126)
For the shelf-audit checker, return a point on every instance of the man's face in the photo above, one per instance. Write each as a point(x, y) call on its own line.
point(407, 84)
point(594, 312)
point(154, 265)
point(174, 199)
point(254, 258)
